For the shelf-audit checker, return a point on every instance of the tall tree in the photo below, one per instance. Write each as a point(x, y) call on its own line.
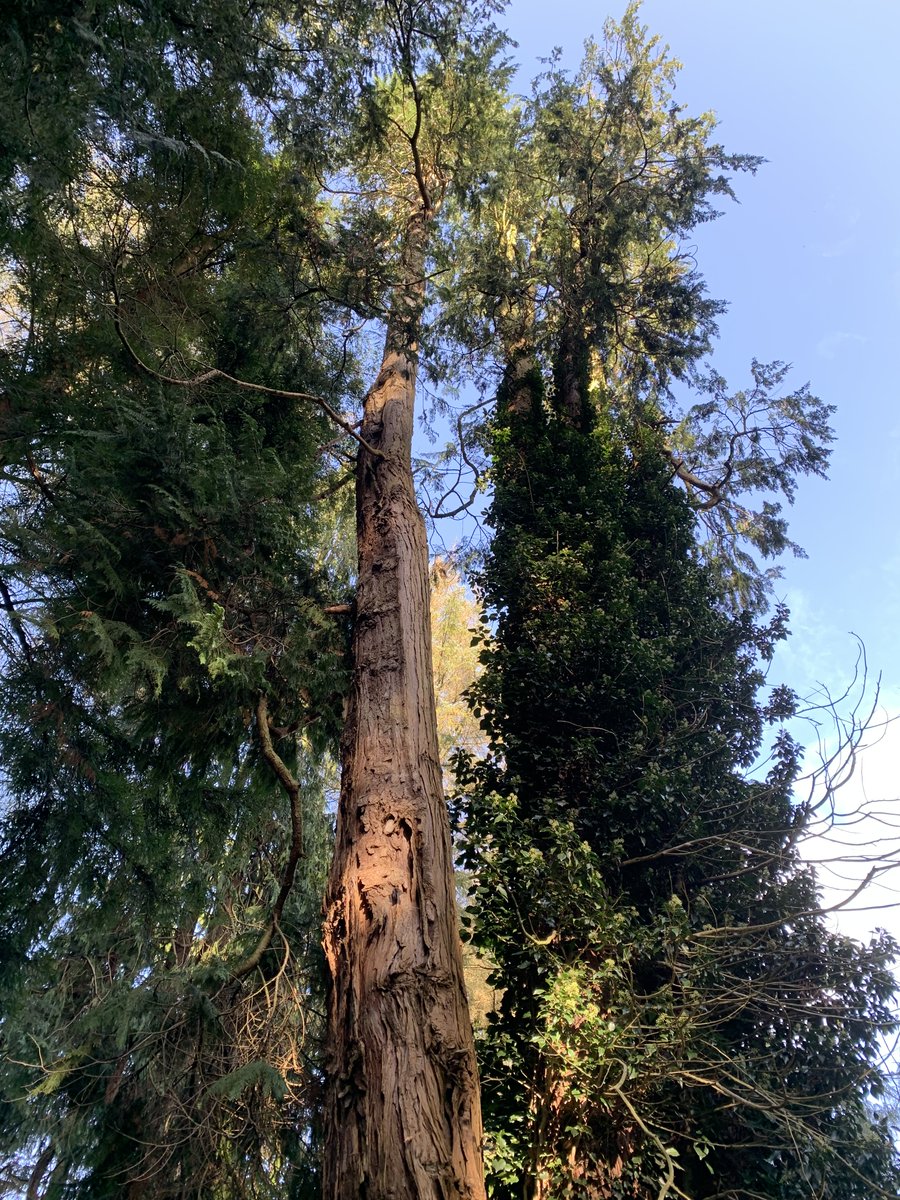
point(674, 1013)
point(207, 211)
point(173, 679)
point(178, 294)
point(658, 953)
point(403, 1114)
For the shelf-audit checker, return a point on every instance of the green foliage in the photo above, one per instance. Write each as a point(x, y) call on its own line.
point(576, 260)
point(202, 204)
point(166, 561)
point(731, 451)
point(131, 1056)
point(256, 1074)
point(180, 303)
point(594, 185)
point(673, 1012)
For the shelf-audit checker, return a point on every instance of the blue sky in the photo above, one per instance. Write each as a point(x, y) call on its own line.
point(809, 262)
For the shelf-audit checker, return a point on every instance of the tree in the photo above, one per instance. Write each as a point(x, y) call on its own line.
point(402, 1110)
point(204, 225)
point(204, 640)
point(674, 1016)
point(581, 242)
point(670, 998)
point(174, 681)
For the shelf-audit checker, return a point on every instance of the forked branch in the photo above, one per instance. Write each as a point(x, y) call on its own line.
point(292, 789)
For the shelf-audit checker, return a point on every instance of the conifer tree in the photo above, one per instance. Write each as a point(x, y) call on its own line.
point(672, 1007)
point(209, 210)
point(674, 1016)
point(174, 681)
point(235, 193)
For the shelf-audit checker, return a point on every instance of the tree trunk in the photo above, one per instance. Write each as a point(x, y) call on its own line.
point(403, 1114)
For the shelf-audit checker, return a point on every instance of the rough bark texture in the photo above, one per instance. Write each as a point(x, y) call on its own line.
point(402, 1113)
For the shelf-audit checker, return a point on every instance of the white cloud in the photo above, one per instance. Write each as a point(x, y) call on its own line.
point(832, 343)
point(816, 650)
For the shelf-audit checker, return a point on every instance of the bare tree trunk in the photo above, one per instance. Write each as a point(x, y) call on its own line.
point(403, 1113)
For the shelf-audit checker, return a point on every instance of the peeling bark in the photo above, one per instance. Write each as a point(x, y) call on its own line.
point(402, 1109)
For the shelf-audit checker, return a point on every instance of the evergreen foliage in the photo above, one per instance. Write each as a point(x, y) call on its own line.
point(167, 559)
point(672, 1005)
point(674, 1016)
point(205, 207)
point(581, 241)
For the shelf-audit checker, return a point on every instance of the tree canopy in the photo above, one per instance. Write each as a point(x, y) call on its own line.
point(672, 1006)
point(242, 248)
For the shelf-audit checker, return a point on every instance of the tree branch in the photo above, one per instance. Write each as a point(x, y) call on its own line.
point(212, 373)
point(686, 475)
point(15, 620)
point(292, 789)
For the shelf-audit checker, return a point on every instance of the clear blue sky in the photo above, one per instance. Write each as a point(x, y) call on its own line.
point(809, 262)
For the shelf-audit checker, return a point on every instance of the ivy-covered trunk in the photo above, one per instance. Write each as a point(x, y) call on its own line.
point(402, 1113)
